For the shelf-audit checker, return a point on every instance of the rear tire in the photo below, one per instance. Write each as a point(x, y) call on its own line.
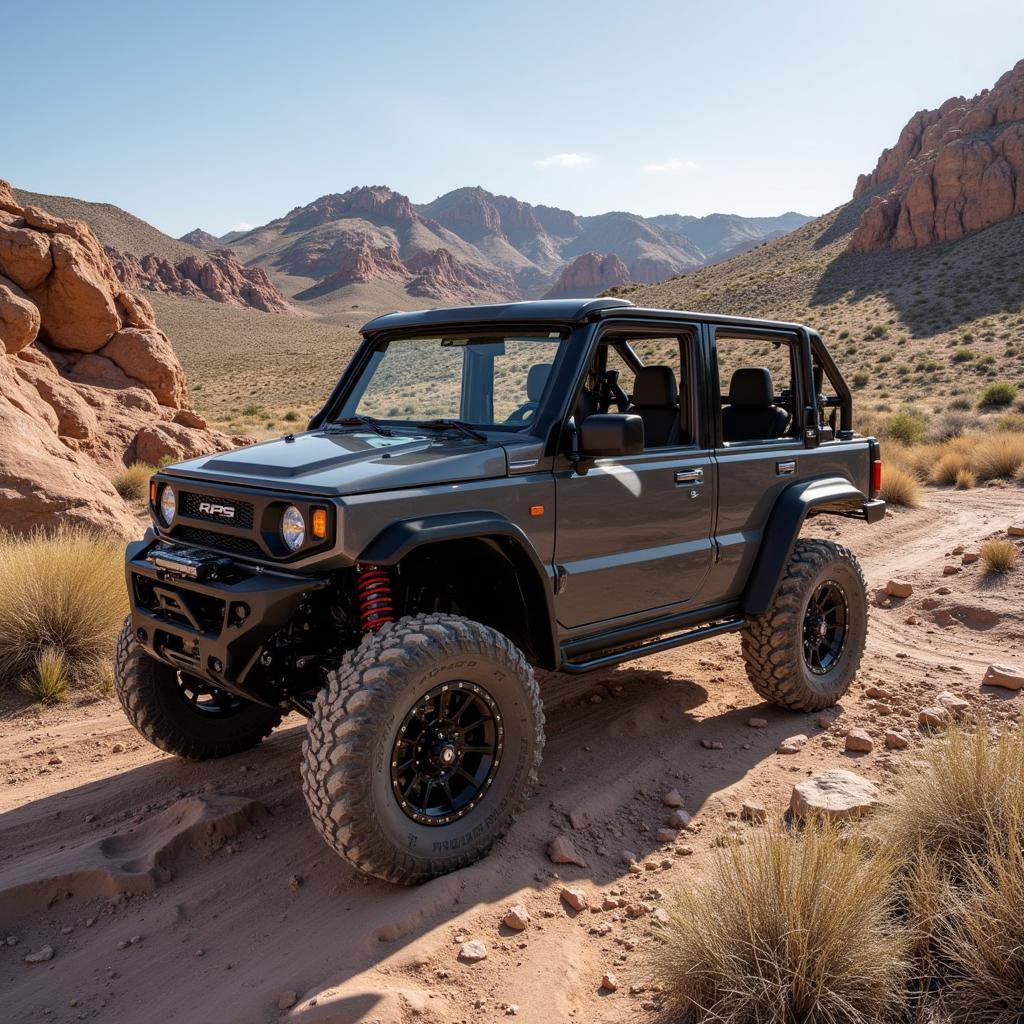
point(154, 698)
point(436, 698)
point(804, 652)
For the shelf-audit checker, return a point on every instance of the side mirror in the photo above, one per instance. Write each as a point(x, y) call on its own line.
point(611, 434)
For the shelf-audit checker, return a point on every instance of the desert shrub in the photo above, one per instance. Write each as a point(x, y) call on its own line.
point(949, 425)
point(998, 556)
point(1010, 422)
point(61, 591)
point(908, 427)
point(861, 378)
point(48, 681)
point(900, 487)
point(787, 928)
point(132, 482)
point(997, 395)
point(962, 355)
point(948, 467)
point(291, 416)
point(965, 480)
point(960, 403)
point(999, 455)
point(964, 801)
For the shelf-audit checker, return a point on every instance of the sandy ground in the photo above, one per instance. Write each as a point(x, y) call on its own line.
point(200, 893)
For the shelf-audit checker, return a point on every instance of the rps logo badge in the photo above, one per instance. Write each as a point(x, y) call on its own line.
point(208, 508)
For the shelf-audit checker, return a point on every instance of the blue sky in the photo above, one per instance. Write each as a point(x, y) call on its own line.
point(218, 114)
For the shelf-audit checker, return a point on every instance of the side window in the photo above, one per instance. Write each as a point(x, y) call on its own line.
point(755, 375)
point(659, 391)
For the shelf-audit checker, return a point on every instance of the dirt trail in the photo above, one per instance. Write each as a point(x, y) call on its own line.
point(200, 893)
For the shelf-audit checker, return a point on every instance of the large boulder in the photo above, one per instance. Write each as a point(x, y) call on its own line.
point(145, 354)
point(25, 254)
point(19, 318)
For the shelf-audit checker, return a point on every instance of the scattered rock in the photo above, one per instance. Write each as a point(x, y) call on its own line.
point(1009, 677)
point(679, 819)
point(472, 952)
point(757, 723)
point(859, 741)
point(609, 982)
point(1015, 531)
point(665, 835)
point(899, 588)
point(754, 811)
point(711, 744)
point(672, 798)
point(933, 717)
point(955, 705)
point(970, 557)
point(835, 794)
point(896, 740)
point(562, 851)
point(878, 693)
point(950, 570)
point(287, 999)
point(575, 898)
point(516, 917)
point(40, 955)
point(792, 745)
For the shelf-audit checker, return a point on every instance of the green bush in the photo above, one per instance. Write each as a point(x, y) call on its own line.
point(997, 395)
point(861, 378)
point(907, 427)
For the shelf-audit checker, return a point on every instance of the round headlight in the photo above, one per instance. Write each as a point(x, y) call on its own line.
point(293, 528)
point(167, 504)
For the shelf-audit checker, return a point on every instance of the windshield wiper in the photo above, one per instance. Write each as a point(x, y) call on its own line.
point(463, 428)
point(364, 421)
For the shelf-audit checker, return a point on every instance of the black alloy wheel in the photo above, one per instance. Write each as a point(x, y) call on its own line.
point(825, 627)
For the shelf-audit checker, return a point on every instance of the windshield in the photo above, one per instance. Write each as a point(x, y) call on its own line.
point(492, 380)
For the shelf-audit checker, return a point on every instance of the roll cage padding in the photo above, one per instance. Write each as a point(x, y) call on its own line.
point(398, 540)
point(783, 528)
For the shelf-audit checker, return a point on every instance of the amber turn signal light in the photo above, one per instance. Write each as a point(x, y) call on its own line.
point(318, 523)
point(152, 492)
point(536, 510)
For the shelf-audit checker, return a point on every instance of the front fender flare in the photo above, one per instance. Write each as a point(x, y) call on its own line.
point(397, 540)
point(784, 523)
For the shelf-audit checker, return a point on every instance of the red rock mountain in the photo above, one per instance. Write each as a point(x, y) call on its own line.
point(590, 274)
point(88, 382)
point(953, 171)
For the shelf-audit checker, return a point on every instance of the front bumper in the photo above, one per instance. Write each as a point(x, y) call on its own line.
point(217, 629)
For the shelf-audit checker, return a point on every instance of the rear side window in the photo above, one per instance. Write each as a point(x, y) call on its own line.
point(756, 383)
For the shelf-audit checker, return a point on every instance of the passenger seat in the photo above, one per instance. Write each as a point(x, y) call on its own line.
point(656, 402)
point(752, 414)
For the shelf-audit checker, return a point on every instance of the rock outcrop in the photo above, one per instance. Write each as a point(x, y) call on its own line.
point(86, 378)
point(953, 171)
point(590, 274)
point(219, 277)
point(201, 239)
point(439, 275)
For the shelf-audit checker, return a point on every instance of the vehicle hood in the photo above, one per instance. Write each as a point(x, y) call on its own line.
point(337, 463)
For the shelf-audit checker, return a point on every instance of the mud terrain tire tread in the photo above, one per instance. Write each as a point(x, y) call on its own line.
point(337, 752)
point(771, 643)
point(173, 728)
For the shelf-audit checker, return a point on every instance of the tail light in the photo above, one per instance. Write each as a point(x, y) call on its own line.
point(876, 477)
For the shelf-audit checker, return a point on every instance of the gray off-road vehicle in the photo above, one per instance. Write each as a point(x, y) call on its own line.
point(558, 484)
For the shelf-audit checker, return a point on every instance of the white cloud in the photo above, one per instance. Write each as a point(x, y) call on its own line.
point(673, 166)
point(242, 225)
point(564, 160)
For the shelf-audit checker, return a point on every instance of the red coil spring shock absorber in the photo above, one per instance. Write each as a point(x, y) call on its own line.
point(375, 601)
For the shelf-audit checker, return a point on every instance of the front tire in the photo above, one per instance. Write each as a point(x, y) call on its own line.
point(422, 748)
point(178, 713)
point(804, 652)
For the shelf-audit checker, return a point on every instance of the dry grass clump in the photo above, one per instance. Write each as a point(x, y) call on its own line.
point(999, 455)
point(900, 487)
point(998, 556)
point(48, 681)
point(132, 482)
point(965, 480)
point(788, 928)
point(948, 467)
point(62, 595)
point(967, 799)
point(980, 937)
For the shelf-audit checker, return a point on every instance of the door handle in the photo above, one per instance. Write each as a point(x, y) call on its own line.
point(689, 476)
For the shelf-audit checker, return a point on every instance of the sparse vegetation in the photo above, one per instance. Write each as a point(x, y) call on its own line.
point(997, 395)
point(48, 681)
point(965, 480)
point(999, 455)
point(788, 928)
point(907, 427)
point(998, 556)
point(132, 482)
point(60, 593)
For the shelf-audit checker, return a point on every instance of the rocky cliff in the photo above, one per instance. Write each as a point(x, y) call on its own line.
point(953, 171)
point(590, 274)
point(218, 275)
point(88, 382)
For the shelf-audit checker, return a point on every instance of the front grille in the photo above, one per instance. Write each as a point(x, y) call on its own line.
point(220, 541)
point(190, 502)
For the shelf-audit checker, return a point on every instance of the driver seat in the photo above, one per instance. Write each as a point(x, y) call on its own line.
point(752, 414)
point(656, 402)
point(536, 379)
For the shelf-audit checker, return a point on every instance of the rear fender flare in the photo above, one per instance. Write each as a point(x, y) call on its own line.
point(784, 523)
